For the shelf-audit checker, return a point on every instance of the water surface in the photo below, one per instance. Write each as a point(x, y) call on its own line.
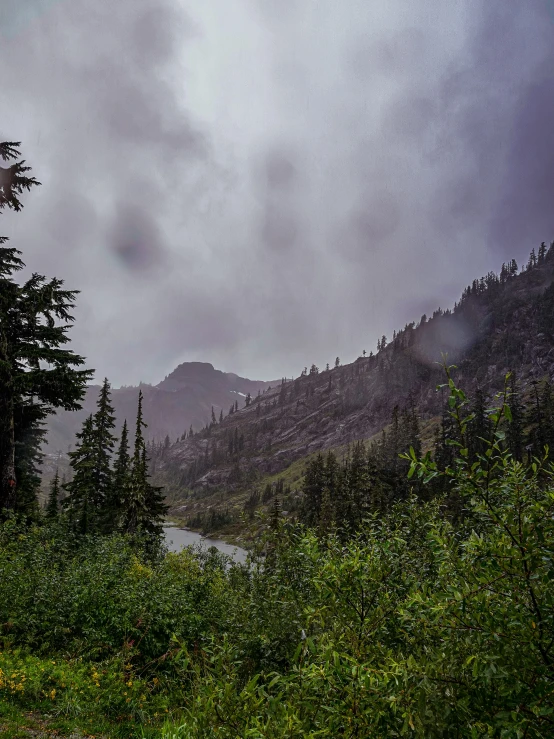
point(177, 538)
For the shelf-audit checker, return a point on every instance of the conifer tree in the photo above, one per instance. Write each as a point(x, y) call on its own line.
point(394, 441)
point(52, 506)
point(155, 507)
point(444, 452)
point(275, 514)
point(37, 373)
point(103, 424)
point(314, 482)
point(514, 433)
point(535, 418)
point(413, 429)
point(120, 482)
point(326, 519)
point(548, 418)
point(79, 502)
point(479, 427)
point(134, 501)
point(143, 507)
point(357, 485)
point(12, 179)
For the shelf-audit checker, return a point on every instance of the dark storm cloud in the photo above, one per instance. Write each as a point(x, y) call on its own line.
point(500, 105)
point(525, 211)
point(135, 239)
point(267, 183)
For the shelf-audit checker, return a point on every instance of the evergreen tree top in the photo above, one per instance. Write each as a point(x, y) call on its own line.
point(53, 497)
point(9, 259)
point(13, 179)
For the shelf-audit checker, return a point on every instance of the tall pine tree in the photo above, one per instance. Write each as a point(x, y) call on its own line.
point(104, 440)
point(120, 480)
point(80, 500)
point(143, 506)
point(37, 373)
point(52, 506)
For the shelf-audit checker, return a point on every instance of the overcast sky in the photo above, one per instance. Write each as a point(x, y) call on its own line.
point(263, 184)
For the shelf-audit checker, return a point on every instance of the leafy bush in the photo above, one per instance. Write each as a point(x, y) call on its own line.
point(100, 598)
point(421, 625)
point(417, 627)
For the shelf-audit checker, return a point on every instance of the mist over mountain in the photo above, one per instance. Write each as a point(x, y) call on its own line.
point(502, 323)
point(184, 398)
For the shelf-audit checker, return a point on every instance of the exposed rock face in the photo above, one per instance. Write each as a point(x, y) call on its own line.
point(184, 397)
point(506, 326)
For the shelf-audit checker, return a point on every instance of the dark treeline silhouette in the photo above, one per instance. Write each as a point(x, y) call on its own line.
point(108, 492)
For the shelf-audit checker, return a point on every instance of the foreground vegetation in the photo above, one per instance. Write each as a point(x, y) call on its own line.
point(414, 626)
point(386, 613)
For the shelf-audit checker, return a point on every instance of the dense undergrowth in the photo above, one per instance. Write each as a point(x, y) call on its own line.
point(416, 626)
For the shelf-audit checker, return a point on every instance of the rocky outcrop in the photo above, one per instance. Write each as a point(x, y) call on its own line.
point(494, 329)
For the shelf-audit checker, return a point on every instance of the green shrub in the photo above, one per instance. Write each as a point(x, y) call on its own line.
point(101, 597)
point(422, 625)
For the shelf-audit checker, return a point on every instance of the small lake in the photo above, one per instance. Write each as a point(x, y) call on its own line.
point(177, 538)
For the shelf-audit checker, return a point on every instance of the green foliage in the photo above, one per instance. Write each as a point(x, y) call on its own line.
point(52, 506)
point(416, 627)
point(81, 499)
point(388, 614)
point(97, 596)
point(105, 498)
point(142, 506)
point(37, 372)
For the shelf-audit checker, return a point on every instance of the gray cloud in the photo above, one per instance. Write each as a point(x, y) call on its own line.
point(267, 183)
point(135, 239)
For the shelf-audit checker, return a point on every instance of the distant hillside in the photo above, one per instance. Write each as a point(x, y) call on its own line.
point(502, 322)
point(183, 398)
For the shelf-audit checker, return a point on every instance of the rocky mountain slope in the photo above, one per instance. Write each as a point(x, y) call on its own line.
point(183, 398)
point(502, 322)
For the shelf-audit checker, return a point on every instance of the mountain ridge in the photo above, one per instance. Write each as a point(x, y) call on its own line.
point(182, 399)
point(501, 323)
